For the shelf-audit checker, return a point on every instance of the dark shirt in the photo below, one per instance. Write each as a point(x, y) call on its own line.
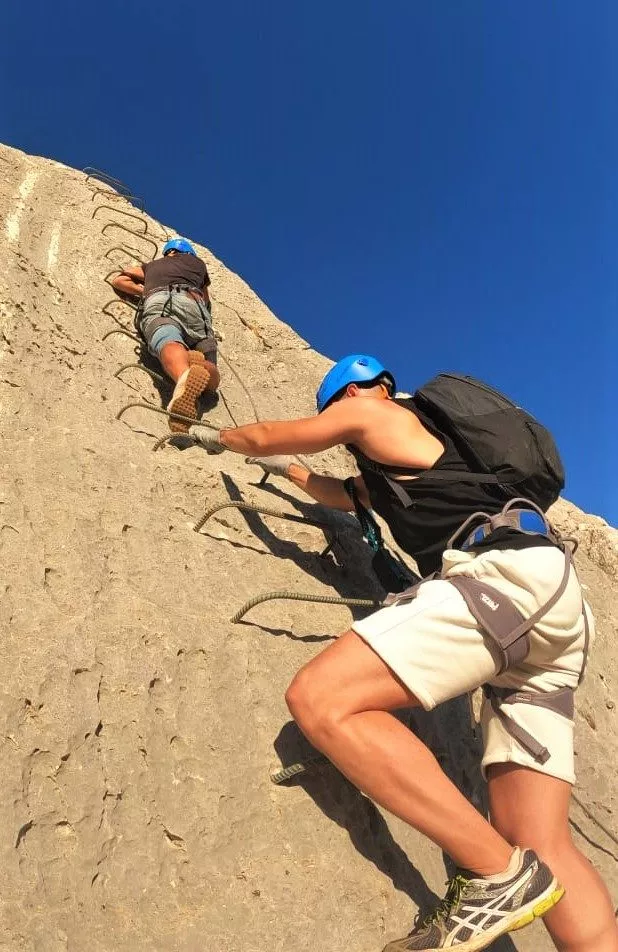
point(181, 269)
point(437, 509)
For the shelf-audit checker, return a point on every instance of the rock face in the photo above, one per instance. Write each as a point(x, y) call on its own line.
point(138, 724)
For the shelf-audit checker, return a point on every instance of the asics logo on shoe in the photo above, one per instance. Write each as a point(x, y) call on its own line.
point(489, 602)
point(489, 912)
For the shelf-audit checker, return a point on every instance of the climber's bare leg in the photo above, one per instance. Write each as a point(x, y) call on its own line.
point(340, 700)
point(532, 809)
point(174, 360)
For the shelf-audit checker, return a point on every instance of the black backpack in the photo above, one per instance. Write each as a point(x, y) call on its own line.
point(500, 441)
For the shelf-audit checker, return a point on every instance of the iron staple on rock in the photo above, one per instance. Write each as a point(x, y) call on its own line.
point(297, 597)
point(276, 513)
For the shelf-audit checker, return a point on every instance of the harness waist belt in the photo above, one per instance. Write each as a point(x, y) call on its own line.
point(178, 288)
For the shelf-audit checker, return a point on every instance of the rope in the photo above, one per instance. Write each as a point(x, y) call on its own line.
point(242, 384)
point(301, 459)
point(250, 507)
point(592, 817)
point(295, 596)
point(227, 406)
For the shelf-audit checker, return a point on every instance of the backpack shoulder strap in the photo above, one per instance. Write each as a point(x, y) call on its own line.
point(371, 529)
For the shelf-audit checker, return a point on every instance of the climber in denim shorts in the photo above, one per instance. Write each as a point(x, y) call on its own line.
point(174, 320)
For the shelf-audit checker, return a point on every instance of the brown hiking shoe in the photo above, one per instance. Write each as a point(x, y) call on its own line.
point(195, 357)
point(475, 910)
point(191, 385)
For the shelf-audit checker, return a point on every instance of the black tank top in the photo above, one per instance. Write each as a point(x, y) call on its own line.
point(436, 509)
point(175, 269)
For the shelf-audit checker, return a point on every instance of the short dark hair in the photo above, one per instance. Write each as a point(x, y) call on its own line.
point(385, 380)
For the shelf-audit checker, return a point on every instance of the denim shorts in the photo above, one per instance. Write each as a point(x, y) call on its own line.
point(177, 318)
point(167, 334)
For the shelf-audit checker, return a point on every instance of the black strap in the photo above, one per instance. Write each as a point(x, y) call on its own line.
point(392, 573)
point(371, 529)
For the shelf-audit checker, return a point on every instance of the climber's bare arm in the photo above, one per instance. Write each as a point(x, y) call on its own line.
point(340, 424)
point(380, 429)
point(129, 281)
point(326, 489)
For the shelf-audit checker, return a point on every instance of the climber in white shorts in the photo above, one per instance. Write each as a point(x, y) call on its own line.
point(463, 478)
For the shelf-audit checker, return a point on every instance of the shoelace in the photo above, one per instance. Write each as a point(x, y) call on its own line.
point(455, 888)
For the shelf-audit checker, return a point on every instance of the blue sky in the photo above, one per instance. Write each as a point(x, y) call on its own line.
point(435, 182)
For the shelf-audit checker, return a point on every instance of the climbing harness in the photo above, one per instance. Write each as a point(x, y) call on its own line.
point(504, 624)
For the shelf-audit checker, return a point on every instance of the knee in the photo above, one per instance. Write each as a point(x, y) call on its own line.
point(314, 713)
point(547, 843)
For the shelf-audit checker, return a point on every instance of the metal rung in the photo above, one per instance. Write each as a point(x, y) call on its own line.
point(124, 327)
point(171, 416)
point(109, 274)
point(146, 370)
point(321, 599)
point(92, 173)
point(119, 211)
point(300, 767)
point(142, 237)
point(130, 252)
point(120, 301)
point(118, 330)
point(276, 513)
point(133, 199)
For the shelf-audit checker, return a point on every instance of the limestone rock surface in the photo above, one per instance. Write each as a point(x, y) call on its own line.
point(138, 725)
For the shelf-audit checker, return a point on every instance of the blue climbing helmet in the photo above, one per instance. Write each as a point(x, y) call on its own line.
point(178, 244)
point(356, 368)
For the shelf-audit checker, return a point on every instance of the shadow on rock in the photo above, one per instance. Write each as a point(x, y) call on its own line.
point(340, 801)
point(285, 632)
point(450, 735)
point(353, 580)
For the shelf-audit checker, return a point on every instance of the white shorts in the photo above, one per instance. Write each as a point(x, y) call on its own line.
point(435, 646)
